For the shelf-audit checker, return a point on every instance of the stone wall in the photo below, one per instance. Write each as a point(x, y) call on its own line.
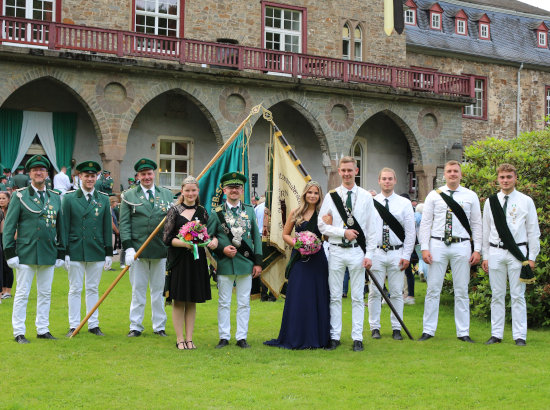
point(111, 14)
point(502, 95)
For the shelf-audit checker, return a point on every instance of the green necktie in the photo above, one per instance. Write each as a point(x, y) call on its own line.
point(41, 195)
point(234, 210)
point(151, 198)
point(89, 198)
point(348, 201)
point(505, 204)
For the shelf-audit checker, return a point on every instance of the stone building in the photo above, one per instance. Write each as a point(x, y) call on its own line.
point(172, 79)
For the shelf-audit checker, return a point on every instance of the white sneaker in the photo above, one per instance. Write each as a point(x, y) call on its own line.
point(409, 300)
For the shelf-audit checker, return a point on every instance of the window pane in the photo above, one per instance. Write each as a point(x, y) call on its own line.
point(345, 48)
point(357, 151)
point(181, 166)
point(180, 148)
point(358, 50)
point(140, 5)
point(165, 165)
point(165, 179)
point(179, 177)
point(345, 31)
point(165, 148)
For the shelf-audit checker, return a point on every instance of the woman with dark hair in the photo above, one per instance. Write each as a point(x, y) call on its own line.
point(189, 277)
point(306, 321)
point(6, 273)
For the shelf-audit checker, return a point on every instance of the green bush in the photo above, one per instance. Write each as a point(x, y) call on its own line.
point(530, 154)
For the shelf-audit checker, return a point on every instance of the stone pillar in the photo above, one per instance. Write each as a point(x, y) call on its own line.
point(333, 179)
point(112, 156)
point(425, 175)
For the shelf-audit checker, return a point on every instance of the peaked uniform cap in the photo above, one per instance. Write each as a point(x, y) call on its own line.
point(145, 163)
point(37, 161)
point(233, 178)
point(88, 166)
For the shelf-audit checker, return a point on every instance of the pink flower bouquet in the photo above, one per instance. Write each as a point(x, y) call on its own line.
point(307, 243)
point(194, 233)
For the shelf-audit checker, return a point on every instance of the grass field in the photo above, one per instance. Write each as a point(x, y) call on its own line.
point(148, 372)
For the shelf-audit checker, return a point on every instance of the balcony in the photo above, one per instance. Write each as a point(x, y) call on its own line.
point(58, 36)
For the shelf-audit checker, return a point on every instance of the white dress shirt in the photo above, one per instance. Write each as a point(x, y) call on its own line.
point(522, 220)
point(259, 211)
point(435, 212)
point(401, 208)
point(363, 212)
point(61, 182)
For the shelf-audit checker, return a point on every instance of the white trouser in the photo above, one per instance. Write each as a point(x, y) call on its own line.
point(225, 290)
point(24, 275)
point(386, 263)
point(502, 263)
point(339, 259)
point(91, 273)
point(142, 272)
point(458, 254)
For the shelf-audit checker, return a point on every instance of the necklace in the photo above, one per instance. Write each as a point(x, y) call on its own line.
point(350, 221)
point(188, 207)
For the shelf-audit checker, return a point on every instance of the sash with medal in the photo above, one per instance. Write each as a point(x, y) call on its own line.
point(507, 239)
point(390, 220)
point(459, 212)
point(242, 247)
point(349, 220)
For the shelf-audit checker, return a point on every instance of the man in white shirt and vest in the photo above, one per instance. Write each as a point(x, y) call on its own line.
point(444, 239)
point(520, 217)
point(346, 250)
point(392, 255)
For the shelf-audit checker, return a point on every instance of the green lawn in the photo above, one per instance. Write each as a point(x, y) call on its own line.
point(116, 371)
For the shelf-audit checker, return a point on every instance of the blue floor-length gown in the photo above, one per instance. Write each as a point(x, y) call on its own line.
point(306, 320)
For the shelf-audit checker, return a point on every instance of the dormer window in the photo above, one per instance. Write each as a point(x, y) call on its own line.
point(435, 17)
point(484, 31)
point(410, 13)
point(543, 38)
point(484, 24)
point(461, 23)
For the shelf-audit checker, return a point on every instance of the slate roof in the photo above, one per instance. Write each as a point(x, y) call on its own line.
point(511, 36)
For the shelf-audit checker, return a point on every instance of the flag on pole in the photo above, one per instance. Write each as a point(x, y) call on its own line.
point(234, 158)
point(393, 16)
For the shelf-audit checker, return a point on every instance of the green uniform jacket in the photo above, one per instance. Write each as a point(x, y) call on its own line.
point(21, 181)
point(39, 228)
point(87, 227)
point(3, 187)
point(239, 265)
point(138, 220)
point(104, 185)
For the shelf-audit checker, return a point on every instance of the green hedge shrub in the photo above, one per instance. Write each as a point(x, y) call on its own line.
point(530, 154)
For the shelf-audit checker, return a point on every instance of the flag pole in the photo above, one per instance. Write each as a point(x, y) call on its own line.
point(254, 110)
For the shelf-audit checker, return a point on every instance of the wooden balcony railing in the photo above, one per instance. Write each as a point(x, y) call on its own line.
point(58, 36)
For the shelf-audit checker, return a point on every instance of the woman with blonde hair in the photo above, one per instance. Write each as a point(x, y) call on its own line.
point(189, 278)
point(305, 323)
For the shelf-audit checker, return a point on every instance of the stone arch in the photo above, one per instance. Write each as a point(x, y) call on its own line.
point(401, 122)
point(195, 95)
point(309, 112)
point(63, 79)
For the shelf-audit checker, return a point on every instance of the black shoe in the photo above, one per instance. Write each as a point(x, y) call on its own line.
point(70, 332)
point(424, 337)
point(520, 342)
point(333, 344)
point(21, 339)
point(46, 335)
point(344, 295)
point(357, 346)
point(465, 339)
point(272, 298)
point(222, 343)
point(242, 344)
point(397, 335)
point(161, 333)
point(493, 340)
point(134, 333)
point(375, 334)
point(96, 331)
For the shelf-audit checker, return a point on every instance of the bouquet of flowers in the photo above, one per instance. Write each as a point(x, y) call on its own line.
point(307, 243)
point(194, 233)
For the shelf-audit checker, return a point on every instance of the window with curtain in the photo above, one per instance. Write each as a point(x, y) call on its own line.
point(159, 17)
point(174, 161)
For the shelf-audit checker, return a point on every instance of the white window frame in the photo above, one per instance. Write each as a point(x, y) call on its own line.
point(476, 109)
point(435, 18)
point(358, 41)
point(461, 26)
point(175, 184)
point(484, 27)
point(547, 104)
point(29, 10)
point(543, 38)
point(410, 17)
point(361, 177)
point(282, 32)
point(346, 40)
point(156, 15)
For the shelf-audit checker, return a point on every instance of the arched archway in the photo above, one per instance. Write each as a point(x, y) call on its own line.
point(173, 130)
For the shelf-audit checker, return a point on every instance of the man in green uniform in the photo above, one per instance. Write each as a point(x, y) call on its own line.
point(3, 181)
point(141, 211)
point(35, 215)
point(88, 234)
point(20, 179)
point(105, 183)
point(9, 179)
point(239, 254)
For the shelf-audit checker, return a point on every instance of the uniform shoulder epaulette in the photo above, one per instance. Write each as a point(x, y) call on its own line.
point(103, 193)
point(248, 205)
point(332, 191)
point(218, 208)
point(21, 189)
point(68, 192)
point(53, 191)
